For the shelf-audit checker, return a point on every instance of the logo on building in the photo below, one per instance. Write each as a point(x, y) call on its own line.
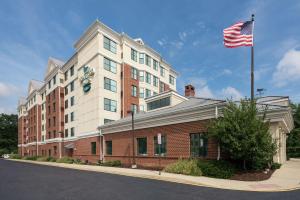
point(85, 80)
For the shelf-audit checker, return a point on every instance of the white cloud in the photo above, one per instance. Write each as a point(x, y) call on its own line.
point(7, 89)
point(182, 35)
point(231, 93)
point(288, 69)
point(201, 87)
point(204, 92)
point(227, 72)
point(162, 42)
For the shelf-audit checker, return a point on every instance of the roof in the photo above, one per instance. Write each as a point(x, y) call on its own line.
point(36, 84)
point(57, 62)
point(22, 101)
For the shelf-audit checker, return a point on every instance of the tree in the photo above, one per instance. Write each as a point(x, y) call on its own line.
point(8, 133)
point(293, 140)
point(244, 136)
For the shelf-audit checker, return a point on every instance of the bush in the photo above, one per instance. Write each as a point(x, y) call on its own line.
point(42, 159)
point(15, 156)
point(275, 166)
point(78, 161)
point(187, 167)
point(114, 163)
point(51, 159)
point(216, 169)
point(30, 158)
point(65, 160)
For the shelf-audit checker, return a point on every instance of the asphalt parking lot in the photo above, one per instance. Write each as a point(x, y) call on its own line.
point(25, 181)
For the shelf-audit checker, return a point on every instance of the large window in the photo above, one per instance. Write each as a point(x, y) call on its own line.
point(158, 103)
point(66, 118)
point(110, 105)
point(72, 70)
point(110, 45)
point(142, 146)
point(134, 108)
point(148, 78)
point(198, 144)
point(155, 65)
point(141, 76)
point(66, 104)
point(108, 147)
point(54, 79)
point(134, 73)
point(72, 86)
point(162, 71)
point(155, 81)
point(93, 148)
point(148, 93)
point(72, 100)
point(142, 57)
point(66, 133)
point(163, 146)
point(72, 132)
point(148, 60)
point(110, 84)
point(133, 55)
point(142, 91)
point(72, 116)
point(133, 91)
point(171, 80)
point(161, 87)
point(110, 65)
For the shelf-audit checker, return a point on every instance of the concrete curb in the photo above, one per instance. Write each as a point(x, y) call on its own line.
point(153, 175)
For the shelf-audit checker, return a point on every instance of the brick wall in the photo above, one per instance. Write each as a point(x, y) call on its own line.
point(83, 149)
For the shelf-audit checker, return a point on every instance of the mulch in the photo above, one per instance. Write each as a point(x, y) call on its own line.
point(252, 175)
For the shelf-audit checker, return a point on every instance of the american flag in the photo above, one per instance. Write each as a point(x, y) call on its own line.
point(239, 34)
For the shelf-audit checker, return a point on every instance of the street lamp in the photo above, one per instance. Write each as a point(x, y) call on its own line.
point(133, 149)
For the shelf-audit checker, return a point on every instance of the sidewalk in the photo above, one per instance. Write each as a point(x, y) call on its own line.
point(284, 179)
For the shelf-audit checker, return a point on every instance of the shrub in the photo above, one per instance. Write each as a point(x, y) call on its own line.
point(275, 166)
point(114, 163)
point(78, 161)
point(65, 160)
point(51, 159)
point(30, 157)
point(15, 156)
point(216, 169)
point(187, 167)
point(42, 159)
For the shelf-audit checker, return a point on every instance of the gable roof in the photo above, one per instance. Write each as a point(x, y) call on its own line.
point(34, 85)
point(53, 63)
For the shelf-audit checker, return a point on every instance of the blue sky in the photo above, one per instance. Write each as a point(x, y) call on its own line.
point(187, 33)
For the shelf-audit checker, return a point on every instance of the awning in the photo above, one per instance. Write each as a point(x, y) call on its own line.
point(69, 146)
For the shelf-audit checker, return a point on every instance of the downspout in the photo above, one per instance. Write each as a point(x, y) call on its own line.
point(219, 149)
point(37, 130)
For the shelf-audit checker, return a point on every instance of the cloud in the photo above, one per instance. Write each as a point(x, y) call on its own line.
point(7, 90)
point(226, 72)
point(162, 42)
point(182, 35)
point(288, 69)
point(231, 93)
point(201, 87)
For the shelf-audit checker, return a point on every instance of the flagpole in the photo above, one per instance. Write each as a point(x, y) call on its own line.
point(252, 61)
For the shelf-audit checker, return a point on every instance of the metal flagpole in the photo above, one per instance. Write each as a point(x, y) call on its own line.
point(252, 61)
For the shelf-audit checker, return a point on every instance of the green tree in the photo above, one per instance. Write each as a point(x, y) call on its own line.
point(8, 133)
point(293, 140)
point(244, 135)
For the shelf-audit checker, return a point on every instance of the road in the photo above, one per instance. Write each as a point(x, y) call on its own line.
point(25, 181)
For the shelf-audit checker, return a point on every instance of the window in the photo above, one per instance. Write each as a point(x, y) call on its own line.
point(161, 87)
point(142, 108)
point(141, 76)
point(142, 95)
point(66, 118)
point(171, 80)
point(66, 90)
point(72, 132)
point(49, 84)
point(148, 93)
point(66, 103)
point(72, 116)
point(72, 101)
point(108, 120)
point(148, 78)
point(93, 148)
point(155, 81)
point(66, 133)
point(108, 147)
point(162, 71)
point(72, 71)
point(43, 105)
point(134, 73)
point(54, 79)
point(110, 65)
point(110, 45)
point(134, 108)
point(148, 60)
point(54, 107)
point(133, 55)
point(133, 91)
point(158, 103)
point(142, 56)
point(72, 86)
point(66, 75)
point(198, 144)
point(110, 105)
point(163, 146)
point(110, 84)
point(49, 122)
point(154, 93)
point(155, 65)
point(43, 127)
point(142, 146)
point(54, 121)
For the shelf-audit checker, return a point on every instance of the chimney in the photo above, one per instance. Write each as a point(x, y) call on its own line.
point(189, 91)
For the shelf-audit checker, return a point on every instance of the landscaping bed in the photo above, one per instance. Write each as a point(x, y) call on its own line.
point(252, 175)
